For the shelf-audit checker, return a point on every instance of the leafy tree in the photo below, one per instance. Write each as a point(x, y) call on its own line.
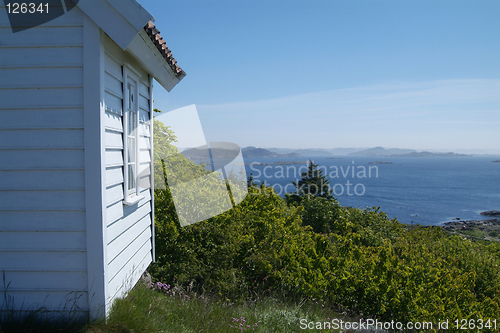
point(312, 184)
point(324, 216)
point(251, 182)
point(167, 156)
point(174, 172)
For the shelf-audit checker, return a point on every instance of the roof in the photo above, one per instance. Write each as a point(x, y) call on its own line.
point(161, 45)
point(130, 26)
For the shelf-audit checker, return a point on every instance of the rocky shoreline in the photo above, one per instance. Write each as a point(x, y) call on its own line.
point(492, 213)
point(488, 230)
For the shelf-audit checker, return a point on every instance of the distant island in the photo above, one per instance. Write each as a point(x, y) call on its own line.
point(278, 163)
point(253, 152)
point(429, 154)
point(497, 161)
point(332, 153)
point(303, 152)
point(492, 213)
point(248, 152)
point(396, 152)
point(381, 151)
point(202, 154)
point(380, 162)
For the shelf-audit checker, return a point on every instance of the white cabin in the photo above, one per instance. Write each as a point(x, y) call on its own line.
point(76, 220)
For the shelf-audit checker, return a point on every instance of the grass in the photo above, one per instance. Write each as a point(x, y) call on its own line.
point(166, 309)
point(475, 233)
point(176, 310)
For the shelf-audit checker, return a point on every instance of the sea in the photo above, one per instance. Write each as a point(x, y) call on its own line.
point(418, 190)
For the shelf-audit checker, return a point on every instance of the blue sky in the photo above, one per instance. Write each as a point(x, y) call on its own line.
point(344, 73)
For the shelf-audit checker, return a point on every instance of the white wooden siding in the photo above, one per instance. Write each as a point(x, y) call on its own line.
point(42, 217)
point(47, 240)
point(41, 180)
point(114, 175)
point(44, 182)
point(39, 77)
point(49, 280)
point(41, 159)
point(64, 221)
point(67, 118)
point(53, 57)
point(129, 228)
point(41, 139)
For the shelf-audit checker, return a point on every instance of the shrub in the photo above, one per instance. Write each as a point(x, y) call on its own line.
point(245, 250)
point(314, 247)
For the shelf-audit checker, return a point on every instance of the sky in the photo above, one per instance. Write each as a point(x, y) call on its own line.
point(341, 73)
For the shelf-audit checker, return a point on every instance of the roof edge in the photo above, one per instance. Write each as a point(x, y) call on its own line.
point(157, 39)
point(144, 50)
point(121, 20)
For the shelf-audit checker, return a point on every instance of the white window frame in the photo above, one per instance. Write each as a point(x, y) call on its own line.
point(131, 196)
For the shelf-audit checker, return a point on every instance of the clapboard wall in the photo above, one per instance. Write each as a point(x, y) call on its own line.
point(67, 240)
point(42, 179)
point(128, 228)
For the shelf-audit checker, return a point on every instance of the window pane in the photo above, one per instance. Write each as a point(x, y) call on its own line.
point(131, 133)
point(131, 149)
point(131, 176)
point(131, 97)
point(132, 122)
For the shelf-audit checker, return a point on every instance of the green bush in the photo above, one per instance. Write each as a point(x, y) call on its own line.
point(346, 256)
point(371, 226)
point(262, 247)
point(235, 254)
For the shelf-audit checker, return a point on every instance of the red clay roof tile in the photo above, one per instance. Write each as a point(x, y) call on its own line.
point(161, 45)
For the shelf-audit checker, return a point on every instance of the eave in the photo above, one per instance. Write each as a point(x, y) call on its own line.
point(125, 22)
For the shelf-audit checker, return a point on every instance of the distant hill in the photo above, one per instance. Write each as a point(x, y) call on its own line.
point(313, 152)
point(255, 152)
point(195, 154)
point(316, 151)
point(396, 152)
point(362, 151)
point(344, 151)
point(202, 154)
point(281, 150)
point(429, 154)
point(248, 152)
point(252, 152)
point(381, 151)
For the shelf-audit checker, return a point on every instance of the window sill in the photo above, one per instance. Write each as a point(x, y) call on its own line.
point(132, 200)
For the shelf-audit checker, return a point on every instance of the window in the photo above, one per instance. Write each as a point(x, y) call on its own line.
point(130, 138)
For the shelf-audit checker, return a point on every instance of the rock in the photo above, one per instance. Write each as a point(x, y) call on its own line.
point(146, 279)
point(490, 228)
point(493, 213)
